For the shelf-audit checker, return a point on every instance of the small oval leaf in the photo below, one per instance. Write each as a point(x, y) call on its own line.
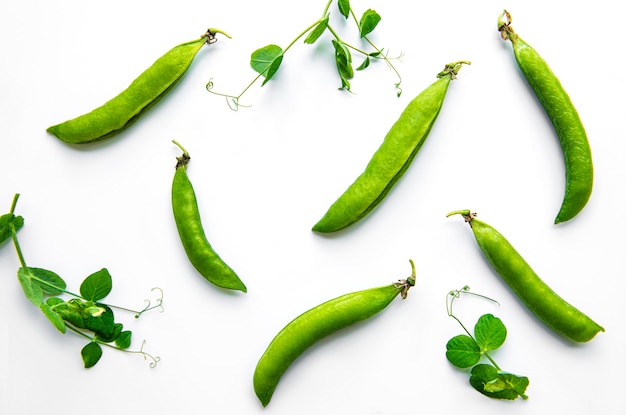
point(49, 281)
point(317, 32)
point(368, 22)
point(96, 286)
point(490, 332)
point(344, 8)
point(31, 289)
point(462, 351)
point(54, 317)
point(264, 59)
point(91, 353)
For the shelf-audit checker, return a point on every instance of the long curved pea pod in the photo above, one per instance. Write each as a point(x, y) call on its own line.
point(564, 117)
point(146, 90)
point(198, 249)
point(556, 313)
point(392, 158)
point(317, 323)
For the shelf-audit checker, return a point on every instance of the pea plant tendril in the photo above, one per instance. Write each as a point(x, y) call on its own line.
point(466, 350)
point(83, 313)
point(267, 60)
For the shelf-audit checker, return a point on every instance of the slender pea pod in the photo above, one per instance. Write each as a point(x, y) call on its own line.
point(187, 217)
point(317, 323)
point(392, 158)
point(146, 90)
point(564, 117)
point(556, 313)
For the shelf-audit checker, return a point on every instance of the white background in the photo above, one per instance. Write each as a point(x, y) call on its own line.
point(265, 174)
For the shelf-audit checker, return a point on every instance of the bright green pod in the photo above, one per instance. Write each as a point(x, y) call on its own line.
point(197, 247)
point(317, 323)
point(145, 91)
point(564, 118)
point(393, 157)
point(556, 313)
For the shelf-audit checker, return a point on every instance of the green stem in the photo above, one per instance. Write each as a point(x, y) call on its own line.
point(380, 53)
point(16, 243)
point(145, 355)
point(15, 197)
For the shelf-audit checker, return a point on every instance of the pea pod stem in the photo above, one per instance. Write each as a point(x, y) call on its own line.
point(317, 323)
point(557, 314)
point(564, 117)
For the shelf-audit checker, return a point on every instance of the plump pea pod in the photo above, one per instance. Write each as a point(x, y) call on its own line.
point(392, 158)
point(145, 91)
point(187, 217)
point(541, 300)
point(564, 117)
point(317, 323)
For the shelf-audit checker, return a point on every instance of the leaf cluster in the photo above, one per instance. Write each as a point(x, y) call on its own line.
point(82, 313)
point(267, 60)
point(466, 351)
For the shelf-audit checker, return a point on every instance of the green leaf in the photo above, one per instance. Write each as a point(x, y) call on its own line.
point(368, 22)
point(267, 60)
point(317, 31)
point(5, 225)
point(49, 282)
point(490, 332)
point(91, 353)
point(462, 351)
point(344, 8)
point(123, 340)
point(31, 288)
point(343, 58)
point(97, 286)
point(365, 64)
point(53, 317)
point(487, 380)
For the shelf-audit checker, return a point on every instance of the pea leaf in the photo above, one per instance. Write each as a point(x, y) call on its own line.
point(266, 61)
point(343, 58)
point(5, 225)
point(123, 340)
point(490, 332)
point(344, 8)
point(368, 22)
point(54, 317)
point(31, 288)
point(96, 286)
point(317, 31)
point(49, 281)
point(487, 380)
point(365, 64)
point(462, 351)
point(91, 353)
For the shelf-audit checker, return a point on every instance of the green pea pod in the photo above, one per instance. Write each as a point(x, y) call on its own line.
point(145, 91)
point(564, 117)
point(198, 249)
point(317, 323)
point(557, 314)
point(392, 158)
